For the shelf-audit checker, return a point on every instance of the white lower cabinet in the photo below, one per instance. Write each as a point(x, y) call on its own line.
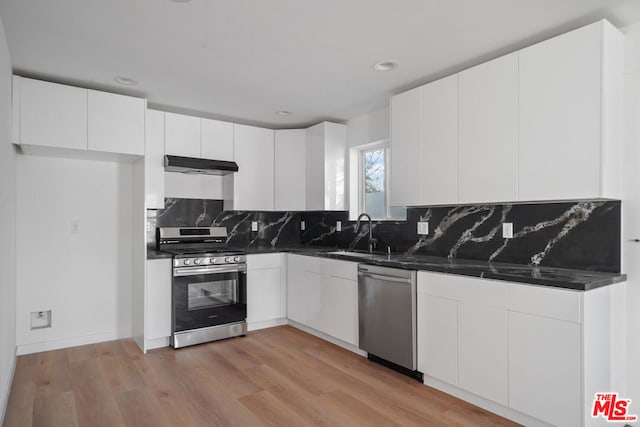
point(539, 351)
point(323, 295)
point(158, 299)
point(265, 290)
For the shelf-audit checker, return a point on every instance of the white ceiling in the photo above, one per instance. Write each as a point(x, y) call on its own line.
point(244, 59)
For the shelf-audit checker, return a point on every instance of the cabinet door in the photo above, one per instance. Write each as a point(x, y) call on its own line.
point(181, 135)
point(316, 302)
point(560, 116)
point(116, 123)
point(488, 132)
point(264, 297)
point(253, 183)
point(405, 148)
point(52, 114)
point(216, 140)
point(438, 337)
point(482, 353)
point(439, 142)
point(289, 170)
point(314, 164)
point(158, 310)
point(545, 368)
point(296, 288)
point(341, 308)
point(154, 159)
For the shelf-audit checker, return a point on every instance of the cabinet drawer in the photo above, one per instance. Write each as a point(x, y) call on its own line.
point(343, 269)
point(471, 290)
point(263, 261)
point(558, 304)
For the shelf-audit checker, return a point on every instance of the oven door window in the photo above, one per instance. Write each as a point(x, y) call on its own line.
point(208, 299)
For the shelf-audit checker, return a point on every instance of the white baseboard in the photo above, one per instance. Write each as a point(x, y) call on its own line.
point(332, 340)
point(152, 344)
point(5, 389)
point(73, 341)
point(483, 403)
point(254, 326)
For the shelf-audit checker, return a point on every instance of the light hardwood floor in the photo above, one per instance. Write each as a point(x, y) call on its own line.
point(275, 377)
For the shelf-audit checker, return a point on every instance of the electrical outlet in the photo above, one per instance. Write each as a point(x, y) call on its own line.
point(75, 226)
point(254, 225)
point(423, 227)
point(302, 226)
point(338, 225)
point(507, 230)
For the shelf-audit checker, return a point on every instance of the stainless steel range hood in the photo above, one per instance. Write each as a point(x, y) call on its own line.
point(200, 166)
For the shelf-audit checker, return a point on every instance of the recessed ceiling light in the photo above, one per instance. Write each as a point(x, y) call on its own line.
point(283, 113)
point(387, 65)
point(125, 81)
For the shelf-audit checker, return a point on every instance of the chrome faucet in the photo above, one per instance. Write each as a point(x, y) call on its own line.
point(372, 241)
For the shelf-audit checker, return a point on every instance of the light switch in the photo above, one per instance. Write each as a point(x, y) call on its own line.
point(423, 227)
point(254, 225)
point(338, 225)
point(302, 225)
point(75, 226)
point(507, 230)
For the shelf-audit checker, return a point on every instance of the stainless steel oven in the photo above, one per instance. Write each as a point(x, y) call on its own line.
point(209, 285)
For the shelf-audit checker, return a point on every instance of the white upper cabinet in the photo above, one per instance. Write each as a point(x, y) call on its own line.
point(216, 140)
point(182, 135)
point(115, 123)
point(154, 159)
point(253, 183)
point(51, 114)
point(290, 149)
point(488, 132)
point(326, 145)
point(405, 148)
point(438, 180)
point(569, 111)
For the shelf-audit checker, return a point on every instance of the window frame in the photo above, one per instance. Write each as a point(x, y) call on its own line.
point(386, 146)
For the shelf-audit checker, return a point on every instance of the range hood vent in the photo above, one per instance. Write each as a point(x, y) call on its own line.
point(201, 166)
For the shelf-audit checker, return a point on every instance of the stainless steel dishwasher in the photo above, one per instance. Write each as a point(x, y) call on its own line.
point(387, 317)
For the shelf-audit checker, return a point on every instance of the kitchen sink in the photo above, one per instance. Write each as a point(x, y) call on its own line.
point(353, 254)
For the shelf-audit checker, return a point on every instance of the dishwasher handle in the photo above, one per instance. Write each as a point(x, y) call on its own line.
point(385, 278)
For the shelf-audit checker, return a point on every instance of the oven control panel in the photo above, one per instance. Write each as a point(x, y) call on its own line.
point(209, 259)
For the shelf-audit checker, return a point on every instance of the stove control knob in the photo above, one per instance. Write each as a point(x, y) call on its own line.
point(236, 259)
point(187, 261)
point(228, 259)
point(197, 261)
point(212, 260)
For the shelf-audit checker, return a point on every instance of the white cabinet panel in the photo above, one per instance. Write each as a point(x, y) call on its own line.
point(488, 132)
point(325, 166)
point(264, 295)
point(182, 135)
point(115, 123)
point(158, 296)
point(289, 170)
point(438, 167)
point(154, 159)
point(482, 352)
point(296, 288)
point(52, 114)
point(560, 116)
point(341, 308)
point(438, 337)
point(405, 148)
point(545, 368)
point(561, 304)
point(314, 301)
point(216, 140)
point(253, 183)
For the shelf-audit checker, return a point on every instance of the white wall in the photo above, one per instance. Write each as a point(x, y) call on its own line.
point(85, 278)
point(631, 213)
point(7, 231)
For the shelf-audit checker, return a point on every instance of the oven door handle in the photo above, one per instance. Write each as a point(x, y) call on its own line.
point(190, 271)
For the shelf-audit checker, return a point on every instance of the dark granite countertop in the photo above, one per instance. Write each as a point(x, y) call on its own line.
point(581, 280)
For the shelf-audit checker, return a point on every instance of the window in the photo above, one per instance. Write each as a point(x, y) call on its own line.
point(373, 183)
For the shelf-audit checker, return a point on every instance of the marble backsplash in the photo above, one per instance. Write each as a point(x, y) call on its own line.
point(576, 234)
